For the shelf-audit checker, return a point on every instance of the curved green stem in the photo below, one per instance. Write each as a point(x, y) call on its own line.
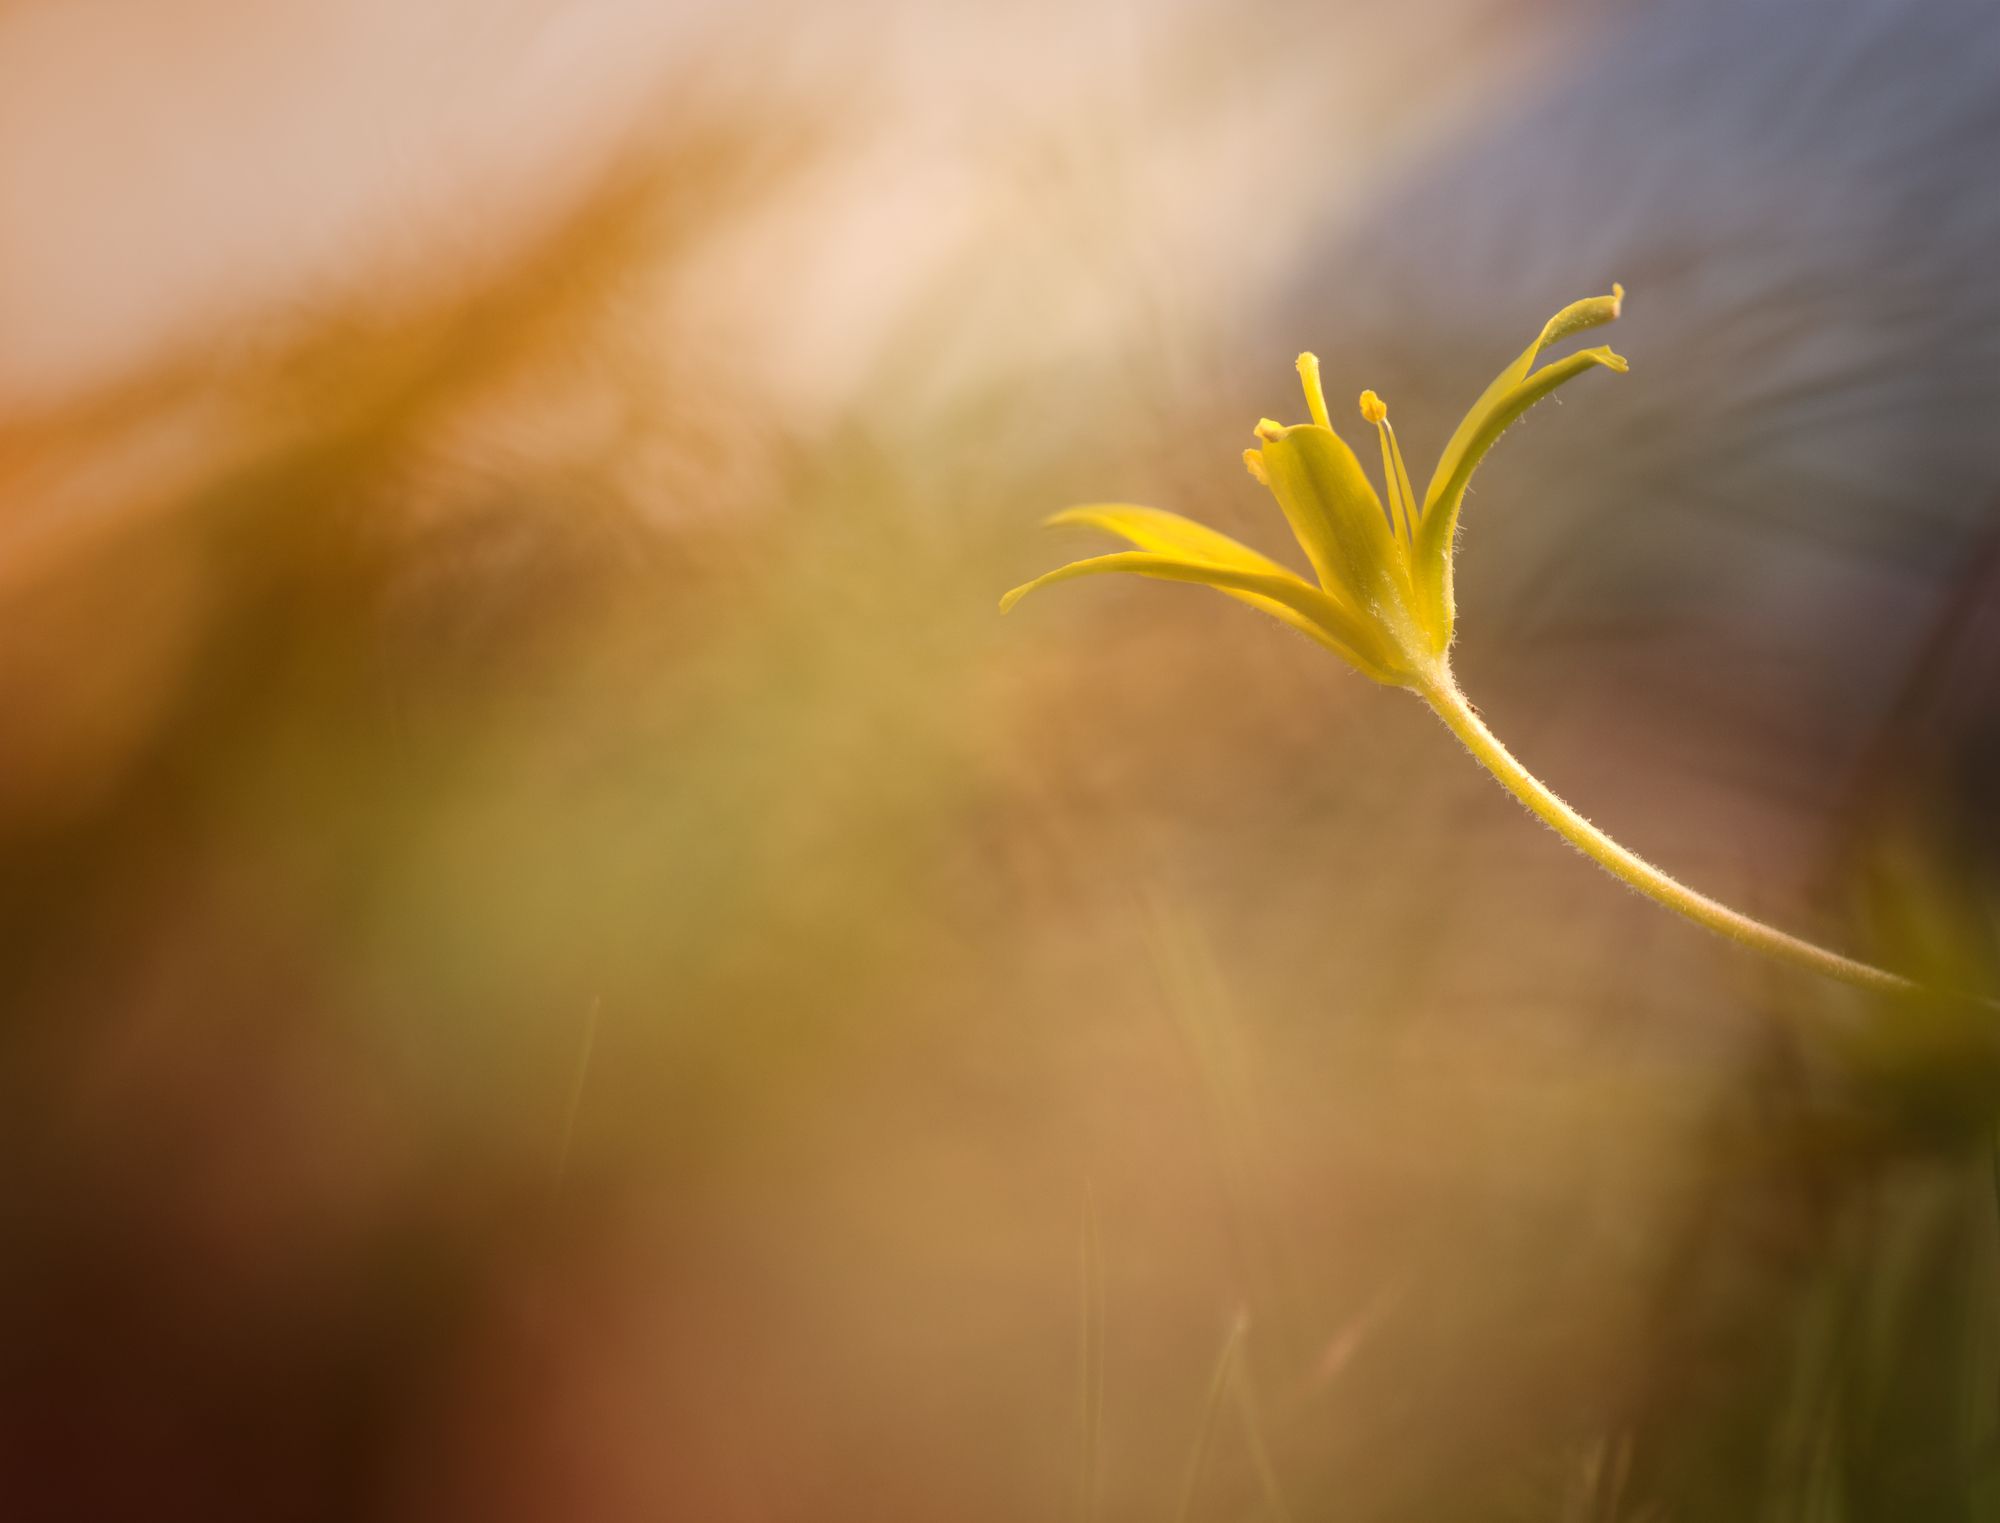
point(1441, 692)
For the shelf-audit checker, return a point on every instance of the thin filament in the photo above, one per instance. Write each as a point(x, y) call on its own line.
point(1402, 500)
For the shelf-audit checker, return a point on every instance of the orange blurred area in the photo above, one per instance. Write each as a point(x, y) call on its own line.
point(559, 960)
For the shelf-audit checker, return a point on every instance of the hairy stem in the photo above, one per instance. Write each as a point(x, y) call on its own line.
point(1442, 693)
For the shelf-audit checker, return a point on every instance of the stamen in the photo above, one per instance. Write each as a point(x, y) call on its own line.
point(1411, 511)
point(1253, 460)
point(1315, 397)
point(1268, 431)
point(1402, 499)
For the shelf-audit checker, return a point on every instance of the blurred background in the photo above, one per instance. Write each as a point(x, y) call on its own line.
point(559, 961)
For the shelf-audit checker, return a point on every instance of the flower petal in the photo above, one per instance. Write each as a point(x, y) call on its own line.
point(1513, 392)
point(1338, 518)
point(1287, 597)
point(1157, 529)
point(1575, 318)
point(1432, 558)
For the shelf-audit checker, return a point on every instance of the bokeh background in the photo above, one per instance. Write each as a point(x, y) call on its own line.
point(558, 961)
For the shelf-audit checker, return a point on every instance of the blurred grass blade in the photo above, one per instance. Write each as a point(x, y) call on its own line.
point(1252, 1416)
point(1225, 1363)
point(1090, 1362)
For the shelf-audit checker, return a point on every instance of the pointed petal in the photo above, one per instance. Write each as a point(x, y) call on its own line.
point(1440, 521)
point(1157, 529)
point(1336, 515)
point(1289, 598)
point(1513, 392)
point(1575, 318)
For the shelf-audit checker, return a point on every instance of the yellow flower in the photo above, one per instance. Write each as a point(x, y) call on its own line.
point(1382, 595)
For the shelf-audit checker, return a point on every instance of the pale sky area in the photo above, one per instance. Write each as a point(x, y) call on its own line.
point(170, 167)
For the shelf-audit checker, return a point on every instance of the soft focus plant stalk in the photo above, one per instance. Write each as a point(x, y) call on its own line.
point(1382, 596)
point(1634, 870)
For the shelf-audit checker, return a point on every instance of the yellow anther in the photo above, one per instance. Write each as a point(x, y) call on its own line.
point(1617, 299)
point(1269, 431)
point(1253, 461)
point(1373, 408)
